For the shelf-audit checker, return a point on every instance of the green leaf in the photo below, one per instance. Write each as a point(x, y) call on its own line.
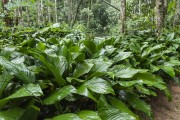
point(121, 56)
point(63, 51)
point(12, 114)
point(83, 90)
point(18, 70)
point(58, 95)
point(114, 114)
point(100, 67)
point(41, 46)
point(144, 90)
point(68, 116)
point(170, 37)
point(88, 115)
point(7, 52)
point(107, 112)
point(169, 70)
point(127, 72)
point(56, 64)
point(30, 114)
point(91, 46)
point(129, 83)
point(4, 80)
point(30, 90)
point(81, 69)
point(138, 104)
point(99, 85)
point(122, 107)
point(151, 49)
point(151, 80)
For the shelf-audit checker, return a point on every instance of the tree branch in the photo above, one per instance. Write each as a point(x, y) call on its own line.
point(76, 13)
point(111, 5)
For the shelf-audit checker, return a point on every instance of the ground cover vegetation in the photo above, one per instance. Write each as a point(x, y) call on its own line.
point(61, 71)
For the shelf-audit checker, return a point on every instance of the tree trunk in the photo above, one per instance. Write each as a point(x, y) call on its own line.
point(177, 14)
point(159, 16)
point(7, 19)
point(49, 14)
point(123, 16)
point(55, 11)
point(139, 7)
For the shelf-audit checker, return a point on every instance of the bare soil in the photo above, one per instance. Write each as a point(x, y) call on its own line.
point(165, 110)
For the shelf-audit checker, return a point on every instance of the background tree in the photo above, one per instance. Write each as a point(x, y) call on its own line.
point(123, 16)
point(177, 14)
point(160, 15)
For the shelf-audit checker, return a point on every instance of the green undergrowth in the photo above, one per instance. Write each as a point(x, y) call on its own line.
point(65, 75)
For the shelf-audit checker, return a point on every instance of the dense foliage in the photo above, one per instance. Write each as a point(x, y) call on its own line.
point(57, 73)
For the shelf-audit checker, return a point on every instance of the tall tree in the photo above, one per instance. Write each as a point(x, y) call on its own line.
point(177, 14)
point(123, 16)
point(7, 19)
point(160, 15)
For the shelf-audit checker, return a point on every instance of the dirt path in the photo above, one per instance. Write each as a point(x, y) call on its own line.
point(164, 110)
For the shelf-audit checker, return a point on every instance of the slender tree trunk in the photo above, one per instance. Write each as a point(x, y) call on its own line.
point(55, 11)
point(123, 16)
point(7, 19)
point(38, 12)
point(75, 18)
point(49, 14)
point(159, 16)
point(176, 20)
point(28, 18)
point(139, 7)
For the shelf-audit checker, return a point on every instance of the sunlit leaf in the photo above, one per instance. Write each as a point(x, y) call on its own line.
point(88, 115)
point(59, 95)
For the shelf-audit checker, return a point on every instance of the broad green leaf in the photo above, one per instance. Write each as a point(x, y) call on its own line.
point(129, 83)
point(78, 57)
point(4, 80)
point(57, 66)
point(72, 79)
point(41, 46)
point(99, 85)
point(83, 90)
point(91, 46)
point(172, 62)
point(7, 52)
point(151, 80)
point(170, 37)
point(18, 70)
point(144, 90)
point(122, 107)
point(108, 112)
point(67, 116)
point(100, 67)
point(63, 51)
point(81, 69)
point(18, 60)
point(12, 114)
point(30, 90)
point(110, 50)
point(88, 115)
point(58, 95)
point(127, 72)
point(59, 63)
point(169, 70)
point(151, 49)
point(30, 114)
point(121, 56)
point(114, 114)
point(138, 104)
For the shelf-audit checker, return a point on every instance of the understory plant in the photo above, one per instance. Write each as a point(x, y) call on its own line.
point(63, 75)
